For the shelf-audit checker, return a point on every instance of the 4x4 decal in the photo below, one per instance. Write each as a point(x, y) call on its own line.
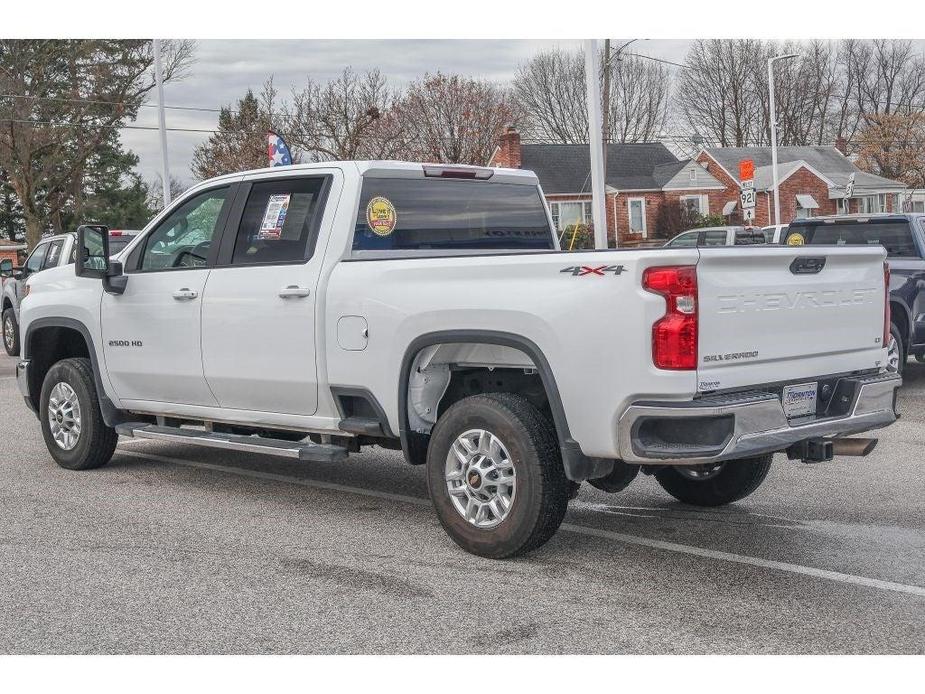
point(601, 270)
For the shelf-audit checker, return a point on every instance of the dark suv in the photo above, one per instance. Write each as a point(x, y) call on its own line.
point(903, 236)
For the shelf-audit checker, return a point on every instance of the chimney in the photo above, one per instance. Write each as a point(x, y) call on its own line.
point(509, 154)
point(841, 144)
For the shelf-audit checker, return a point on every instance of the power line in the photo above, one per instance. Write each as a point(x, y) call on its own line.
point(660, 60)
point(24, 121)
point(107, 103)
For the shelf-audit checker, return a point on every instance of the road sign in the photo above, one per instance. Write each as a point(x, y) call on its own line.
point(748, 215)
point(746, 170)
point(748, 198)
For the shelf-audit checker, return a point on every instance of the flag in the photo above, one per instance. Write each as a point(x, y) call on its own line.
point(277, 150)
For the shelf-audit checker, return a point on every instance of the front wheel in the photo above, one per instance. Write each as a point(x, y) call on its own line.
point(72, 424)
point(715, 484)
point(10, 333)
point(495, 475)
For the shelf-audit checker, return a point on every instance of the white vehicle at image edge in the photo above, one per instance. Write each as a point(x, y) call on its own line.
point(310, 310)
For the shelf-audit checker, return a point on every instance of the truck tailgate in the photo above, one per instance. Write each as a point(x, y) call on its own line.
point(767, 314)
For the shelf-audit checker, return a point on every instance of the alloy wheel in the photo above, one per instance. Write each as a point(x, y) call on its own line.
point(64, 416)
point(480, 478)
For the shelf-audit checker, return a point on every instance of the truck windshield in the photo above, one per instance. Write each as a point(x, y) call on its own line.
point(894, 235)
point(415, 214)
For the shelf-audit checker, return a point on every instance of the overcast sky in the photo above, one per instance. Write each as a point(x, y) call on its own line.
point(224, 69)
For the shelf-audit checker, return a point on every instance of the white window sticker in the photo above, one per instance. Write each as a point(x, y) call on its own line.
point(274, 217)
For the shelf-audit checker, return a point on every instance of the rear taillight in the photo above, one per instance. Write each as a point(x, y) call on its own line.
point(886, 303)
point(674, 336)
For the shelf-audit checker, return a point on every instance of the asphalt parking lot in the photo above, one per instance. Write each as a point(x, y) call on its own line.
point(173, 549)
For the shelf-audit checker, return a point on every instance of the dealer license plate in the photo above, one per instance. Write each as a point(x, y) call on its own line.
point(799, 400)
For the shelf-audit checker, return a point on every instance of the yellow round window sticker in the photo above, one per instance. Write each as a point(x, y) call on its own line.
point(795, 240)
point(381, 216)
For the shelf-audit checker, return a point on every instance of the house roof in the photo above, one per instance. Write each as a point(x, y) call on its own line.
point(827, 160)
point(665, 172)
point(567, 168)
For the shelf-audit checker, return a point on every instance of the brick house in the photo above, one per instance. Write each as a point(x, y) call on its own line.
point(640, 179)
point(812, 182)
point(644, 179)
point(10, 250)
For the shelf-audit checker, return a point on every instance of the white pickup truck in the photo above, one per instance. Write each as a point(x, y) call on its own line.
point(310, 310)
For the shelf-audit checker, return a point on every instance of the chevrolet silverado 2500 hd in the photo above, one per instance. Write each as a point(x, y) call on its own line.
point(310, 310)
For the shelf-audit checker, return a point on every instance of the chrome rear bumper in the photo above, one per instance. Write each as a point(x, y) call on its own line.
point(738, 425)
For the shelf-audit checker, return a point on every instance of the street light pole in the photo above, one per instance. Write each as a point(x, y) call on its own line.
point(773, 110)
point(162, 123)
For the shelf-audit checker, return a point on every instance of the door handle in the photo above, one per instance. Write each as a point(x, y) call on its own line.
point(185, 294)
point(294, 291)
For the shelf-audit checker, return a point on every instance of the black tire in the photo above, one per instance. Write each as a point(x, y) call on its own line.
point(541, 493)
point(617, 479)
point(735, 480)
point(897, 335)
point(96, 442)
point(11, 336)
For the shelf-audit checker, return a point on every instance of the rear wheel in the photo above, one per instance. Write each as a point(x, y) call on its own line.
point(10, 333)
point(72, 424)
point(895, 354)
point(715, 484)
point(495, 475)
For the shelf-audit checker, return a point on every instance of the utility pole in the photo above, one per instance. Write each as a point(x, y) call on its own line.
point(593, 85)
point(162, 123)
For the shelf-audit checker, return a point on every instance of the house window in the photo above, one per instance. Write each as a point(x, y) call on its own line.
point(871, 204)
point(693, 174)
point(565, 214)
point(636, 211)
point(695, 204)
point(843, 207)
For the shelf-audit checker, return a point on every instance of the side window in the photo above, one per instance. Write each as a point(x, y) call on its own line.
point(748, 237)
point(714, 238)
point(685, 240)
point(34, 263)
point(278, 224)
point(184, 238)
point(53, 255)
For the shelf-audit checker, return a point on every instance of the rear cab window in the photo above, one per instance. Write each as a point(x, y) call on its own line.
point(410, 214)
point(895, 235)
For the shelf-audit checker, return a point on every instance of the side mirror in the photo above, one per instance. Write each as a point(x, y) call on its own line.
point(93, 258)
point(6, 268)
point(92, 251)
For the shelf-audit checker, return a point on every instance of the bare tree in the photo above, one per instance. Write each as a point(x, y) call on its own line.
point(550, 93)
point(240, 143)
point(63, 99)
point(347, 118)
point(452, 119)
point(719, 95)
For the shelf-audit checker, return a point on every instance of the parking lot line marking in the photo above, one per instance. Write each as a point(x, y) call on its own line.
point(744, 559)
point(718, 555)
